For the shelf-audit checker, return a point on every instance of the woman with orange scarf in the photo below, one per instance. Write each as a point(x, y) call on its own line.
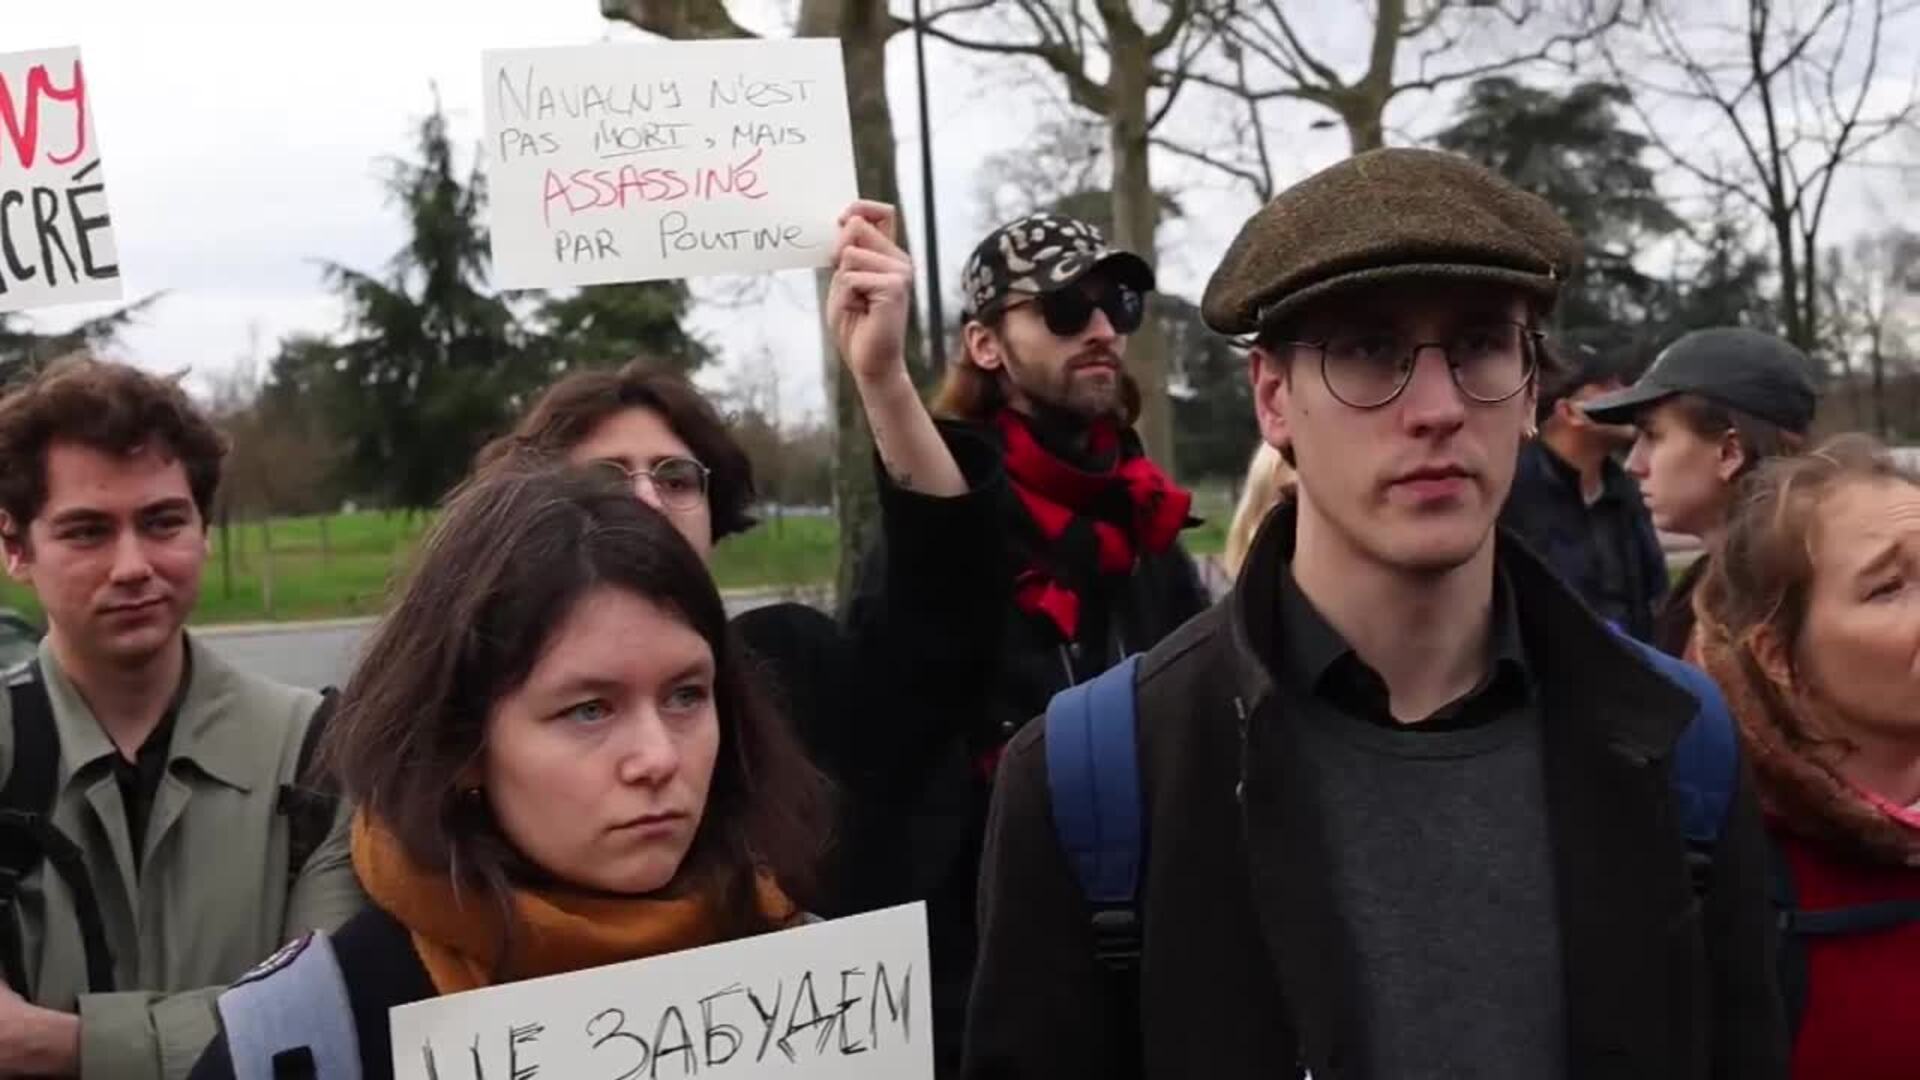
point(536, 795)
point(1810, 621)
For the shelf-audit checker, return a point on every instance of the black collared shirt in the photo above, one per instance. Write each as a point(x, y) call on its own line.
point(139, 779)
point(1319, 663)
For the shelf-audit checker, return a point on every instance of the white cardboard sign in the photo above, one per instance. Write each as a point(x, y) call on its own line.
point(611, 163)
point(56, 237)
point(841, 1000)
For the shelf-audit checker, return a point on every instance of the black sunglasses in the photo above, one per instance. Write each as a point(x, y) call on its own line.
point(1068, 311)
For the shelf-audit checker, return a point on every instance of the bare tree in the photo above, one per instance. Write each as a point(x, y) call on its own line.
point(1130, 75)
point(1416, 46)
point(863, 28)
point(1769, 110)
point(1871, 294)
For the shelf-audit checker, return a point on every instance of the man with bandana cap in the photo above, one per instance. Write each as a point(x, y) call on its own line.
point(1091, 558)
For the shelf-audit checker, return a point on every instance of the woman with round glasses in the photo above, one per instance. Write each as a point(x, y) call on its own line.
point(861, 699)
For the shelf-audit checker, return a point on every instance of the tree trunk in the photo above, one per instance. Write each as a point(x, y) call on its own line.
point(226, 551)
point(1791, 307)
point(1136, 217)
point(1879, 362)
point(863, 27)
point(1365, 118)
point(266, 565)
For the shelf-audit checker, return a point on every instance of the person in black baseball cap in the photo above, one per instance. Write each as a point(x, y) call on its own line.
point(1088, 553)
point(1713, 405)
point(1575, 505)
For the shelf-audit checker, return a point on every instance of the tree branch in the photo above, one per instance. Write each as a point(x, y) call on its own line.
point(1169, 32)
point(1066, 61)
point(1261, 185)
point(682, 20)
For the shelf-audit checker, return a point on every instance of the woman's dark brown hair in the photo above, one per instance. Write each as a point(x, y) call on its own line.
point(570, 409)
point(113, 408)
point(515, 550)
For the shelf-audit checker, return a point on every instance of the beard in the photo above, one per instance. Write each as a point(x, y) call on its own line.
point(1088, 386)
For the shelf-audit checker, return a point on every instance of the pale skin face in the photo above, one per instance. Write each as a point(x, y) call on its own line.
point(1078, 374)
point(1859, 649)
point(636, 439)
point(1686, 478)
point(597, 767)
point(1414, 485)
point(115, 555)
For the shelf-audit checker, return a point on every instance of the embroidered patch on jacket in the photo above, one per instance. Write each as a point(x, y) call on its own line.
point(279, 961)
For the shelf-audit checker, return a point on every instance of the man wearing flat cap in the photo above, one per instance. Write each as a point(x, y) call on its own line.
point(1089, 554)
point(1711, 407)
point(1407, 808)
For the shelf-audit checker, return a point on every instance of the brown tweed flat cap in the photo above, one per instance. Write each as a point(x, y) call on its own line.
point(1387, 215)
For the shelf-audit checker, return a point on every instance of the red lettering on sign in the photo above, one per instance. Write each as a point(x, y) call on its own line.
point(21, 116)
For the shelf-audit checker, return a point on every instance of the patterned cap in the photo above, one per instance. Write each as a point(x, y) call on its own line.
point(1042, 253)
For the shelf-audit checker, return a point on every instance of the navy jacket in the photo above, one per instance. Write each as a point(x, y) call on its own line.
point(1547, 511)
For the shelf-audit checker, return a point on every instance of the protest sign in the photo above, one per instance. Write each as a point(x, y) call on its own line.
point(612, 163)
point(842, 1000)
point(56, 240)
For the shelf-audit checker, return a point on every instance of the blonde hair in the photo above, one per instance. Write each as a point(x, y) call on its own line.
point(1269, 479)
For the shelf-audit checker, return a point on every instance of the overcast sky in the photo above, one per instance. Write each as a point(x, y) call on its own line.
point(242, 144)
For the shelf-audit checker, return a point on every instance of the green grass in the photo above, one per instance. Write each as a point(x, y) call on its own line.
point(779, 552)
point(348, 574)
point(344, 576)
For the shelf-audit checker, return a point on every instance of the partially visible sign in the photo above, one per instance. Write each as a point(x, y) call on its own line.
point(610, 163)
point(842, 1000)
point(56, 237)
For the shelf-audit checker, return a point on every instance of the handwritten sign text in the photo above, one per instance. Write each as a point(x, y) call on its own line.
point(636, 162)
point(56, 238)
point(844, 1000)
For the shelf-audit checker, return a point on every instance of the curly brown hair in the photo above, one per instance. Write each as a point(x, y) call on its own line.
point(515, 549)
point(113, 408)
point(570, 409)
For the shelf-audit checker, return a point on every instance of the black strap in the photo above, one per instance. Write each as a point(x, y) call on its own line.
point(1859, 919)
point(1796, 925)
point(28, 837)
point(310, 802)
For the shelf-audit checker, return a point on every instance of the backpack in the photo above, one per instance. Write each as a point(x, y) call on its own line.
point(1796, 924)
point(1093, 777)
point(29, 837)
point(292, 1018)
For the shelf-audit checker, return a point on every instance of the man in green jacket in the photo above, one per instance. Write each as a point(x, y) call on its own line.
point(177, 776)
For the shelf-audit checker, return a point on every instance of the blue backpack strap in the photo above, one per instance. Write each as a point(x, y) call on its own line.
point(290, 1018)
point(1706, 759)
point(1093, 778)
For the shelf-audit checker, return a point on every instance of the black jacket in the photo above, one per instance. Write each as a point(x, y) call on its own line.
point(941, 804)
point(1241, 968)
point(1547, 509)
point(866, 699)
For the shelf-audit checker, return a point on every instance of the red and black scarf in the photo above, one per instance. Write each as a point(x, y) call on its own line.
point(1088, 523)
